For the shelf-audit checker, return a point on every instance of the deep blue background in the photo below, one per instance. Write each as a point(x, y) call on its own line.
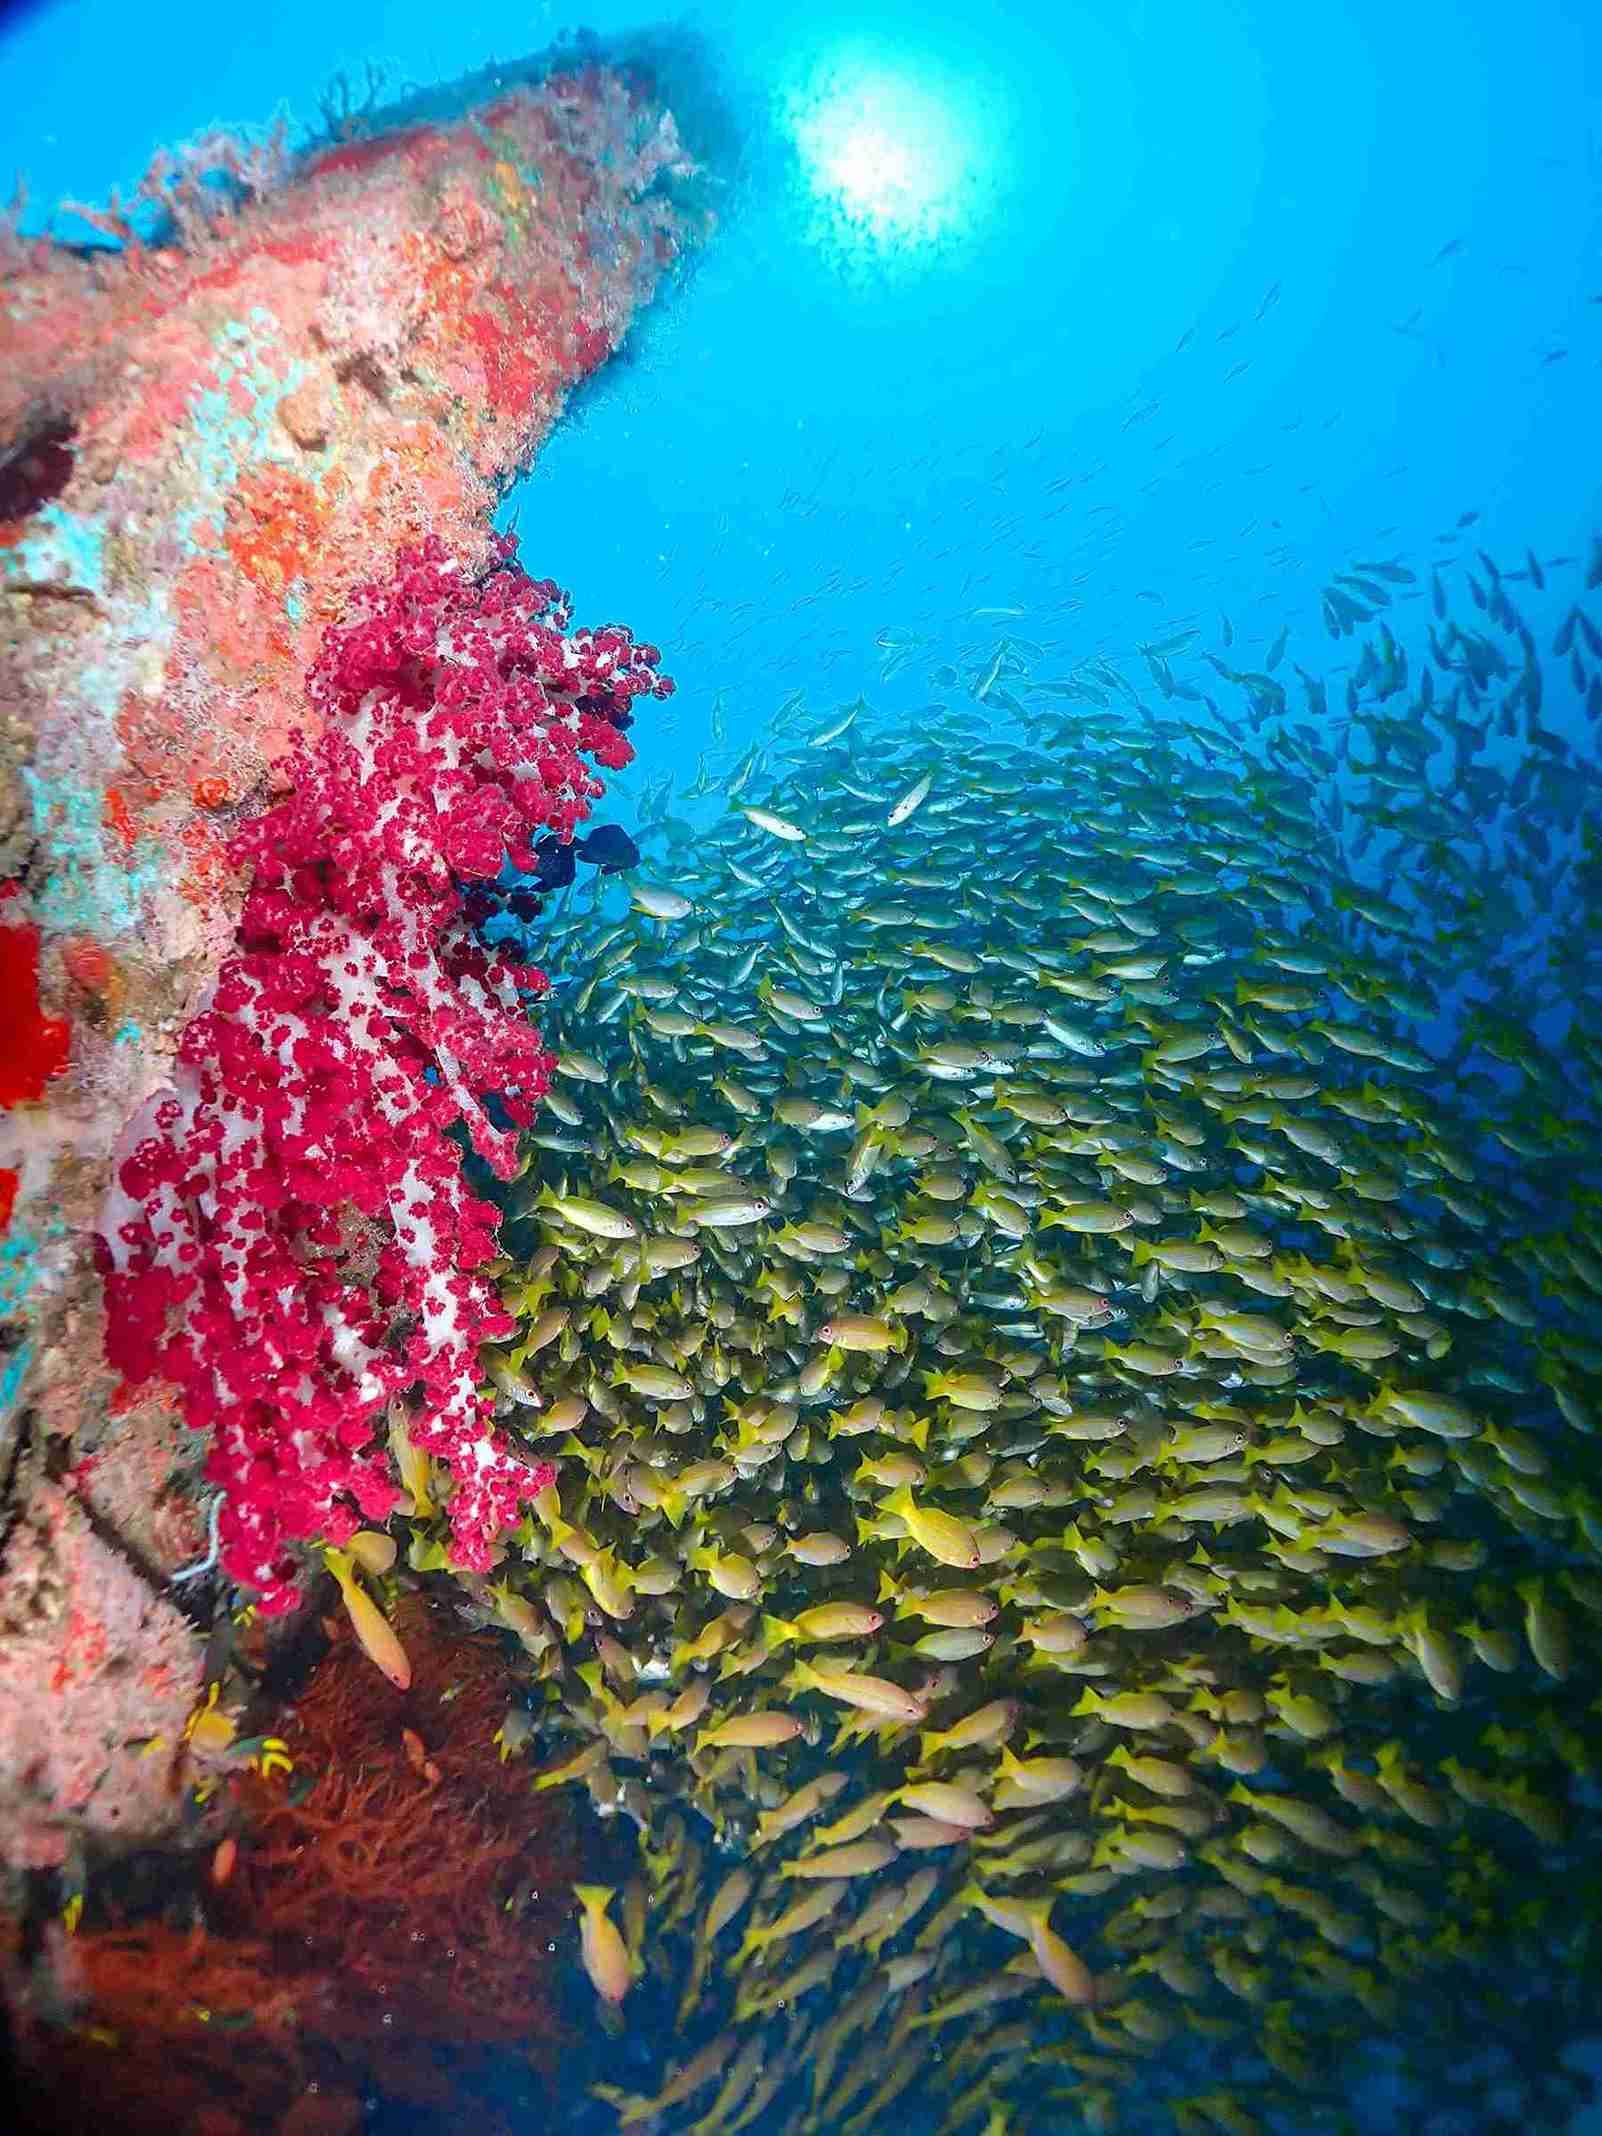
point(821, 438)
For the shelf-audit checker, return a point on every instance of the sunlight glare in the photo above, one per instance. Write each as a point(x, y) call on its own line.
point(893, 156)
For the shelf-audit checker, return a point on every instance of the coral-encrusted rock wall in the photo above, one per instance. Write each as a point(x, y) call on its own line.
point(205, 443)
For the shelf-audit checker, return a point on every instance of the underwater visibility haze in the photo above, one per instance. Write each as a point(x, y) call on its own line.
point(802, 871)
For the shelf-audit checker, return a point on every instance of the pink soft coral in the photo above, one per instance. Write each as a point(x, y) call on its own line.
point(294, 1242)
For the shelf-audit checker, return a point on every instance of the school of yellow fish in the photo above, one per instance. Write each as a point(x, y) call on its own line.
point(1078, 1510)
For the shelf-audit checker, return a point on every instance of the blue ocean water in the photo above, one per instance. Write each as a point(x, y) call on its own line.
point(1129, 317)
point(832, 403)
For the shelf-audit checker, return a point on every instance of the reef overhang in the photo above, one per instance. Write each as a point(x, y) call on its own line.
point(269, 376)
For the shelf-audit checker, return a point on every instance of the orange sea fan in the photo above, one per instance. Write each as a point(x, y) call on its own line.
point(385, 1912)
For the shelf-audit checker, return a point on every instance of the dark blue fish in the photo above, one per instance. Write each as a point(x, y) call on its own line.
point(608, 848)
point(554, 865)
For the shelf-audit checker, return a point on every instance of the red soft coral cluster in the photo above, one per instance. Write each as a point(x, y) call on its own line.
point(293, 1243)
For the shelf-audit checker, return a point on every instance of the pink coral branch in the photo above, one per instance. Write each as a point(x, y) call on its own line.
point(292, 1242)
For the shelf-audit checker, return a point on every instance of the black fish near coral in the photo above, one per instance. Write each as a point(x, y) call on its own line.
point(608, 848)
point(520, 898)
